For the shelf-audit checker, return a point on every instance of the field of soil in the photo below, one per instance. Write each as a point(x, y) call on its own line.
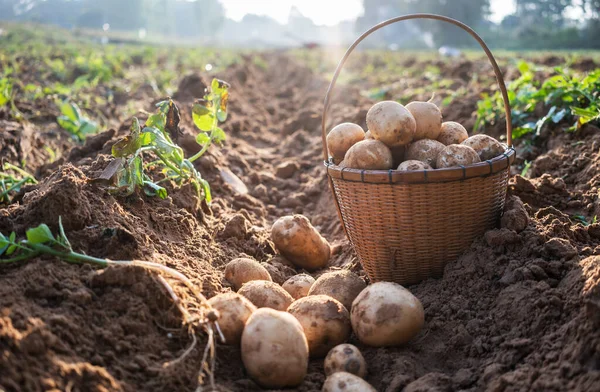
point(518, 311)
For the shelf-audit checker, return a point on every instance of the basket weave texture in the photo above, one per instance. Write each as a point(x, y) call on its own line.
point(405, 226)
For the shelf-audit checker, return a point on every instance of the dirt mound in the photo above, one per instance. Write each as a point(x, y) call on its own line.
point(517, 311)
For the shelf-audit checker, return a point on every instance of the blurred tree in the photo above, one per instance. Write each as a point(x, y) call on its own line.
point(542, 11)
point(472, 12)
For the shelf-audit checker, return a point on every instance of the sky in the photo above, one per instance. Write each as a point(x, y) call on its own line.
point(324, 12)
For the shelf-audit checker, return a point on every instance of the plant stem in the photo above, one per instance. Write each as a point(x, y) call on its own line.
point(212, 133)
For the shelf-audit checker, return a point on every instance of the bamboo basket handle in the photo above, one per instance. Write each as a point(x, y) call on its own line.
point(497, 71)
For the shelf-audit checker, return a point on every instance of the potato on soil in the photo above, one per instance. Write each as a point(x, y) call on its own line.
point(452, 133)
point(429, 119)
point(274, 349)
point(486, 146)
point(298, 285)
point(369, 155)
point(456, 155)
point(242, 270)
point(299, 242)
point(413, 165)
point(342, 137)
point(326, 322)
point(425, 150)
point(342, 285)
point(386, 314)
point(346, 382)
point(345, 358)
point(391, 123)
point(265, 294)
point(234, 310)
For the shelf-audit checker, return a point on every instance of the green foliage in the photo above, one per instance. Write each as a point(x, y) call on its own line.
point(156, 138)
point(12, 178)
point(6, 88)
point(73, 121)
point(564, 97)
point(207, 113)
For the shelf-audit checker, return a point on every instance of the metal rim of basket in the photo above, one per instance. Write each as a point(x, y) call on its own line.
point(391, 176)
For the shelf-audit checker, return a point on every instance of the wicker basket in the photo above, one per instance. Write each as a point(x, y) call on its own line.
point(405, 226)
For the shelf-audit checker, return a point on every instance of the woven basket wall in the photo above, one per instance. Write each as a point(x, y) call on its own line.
point(405, 226)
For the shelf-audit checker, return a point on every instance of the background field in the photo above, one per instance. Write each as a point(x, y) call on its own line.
point(517, 311)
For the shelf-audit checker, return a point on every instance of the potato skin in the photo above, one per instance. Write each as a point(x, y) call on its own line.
point(424, 150)
point(369, 136)
point(342, 137)
point(342, 285)
point(485, 146)
point(265, 294)
point(391, 123)
point(325, 321)
point(413, 165)
point(274, 349)
point(345, 358)
point(455, 155)
point(298, 285)
point(346, 382)
point(429, 119)
point(234, 310)
point(452, 133)
point(386, 314)
point(241, 270)
point(369, 155)
point(299, 242)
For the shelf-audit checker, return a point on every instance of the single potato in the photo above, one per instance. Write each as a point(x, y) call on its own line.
point(391, 123)
point(346, 382)
point(345, 358)
point(424, 150)
point(456, 155)
point(299, 242)
point(386, 314)
point(413, 165)
point(342, 285)
point(429, 119)
point(486, 146)
point(298, 285)
point(452, 133)
point(234, 310)
point(342, 137)
point(369, 155)
point(326, 322)
point(265, 294)
point(242, 270)
point(274, 349)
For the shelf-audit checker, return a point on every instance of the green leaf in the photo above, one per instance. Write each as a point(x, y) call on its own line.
point(146, 138)
point(206, 189)
point(151, 189)
point(3, 244)
point(11, 249)
point(218, 135)
point(68, 124)
point(71, 111)
point(88, 127)
point(40, 235)
point(203, 117)
point(202, 138)
point(128, 145)
point(585, 112)
point(156, 120)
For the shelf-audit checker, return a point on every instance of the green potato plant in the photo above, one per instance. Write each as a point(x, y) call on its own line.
point(156, 138)
point(73, 121)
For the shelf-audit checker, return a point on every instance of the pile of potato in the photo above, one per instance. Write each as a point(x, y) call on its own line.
point(407, 138)
point(280, 327)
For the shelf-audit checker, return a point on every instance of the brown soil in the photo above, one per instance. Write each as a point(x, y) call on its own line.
point(517, 311)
